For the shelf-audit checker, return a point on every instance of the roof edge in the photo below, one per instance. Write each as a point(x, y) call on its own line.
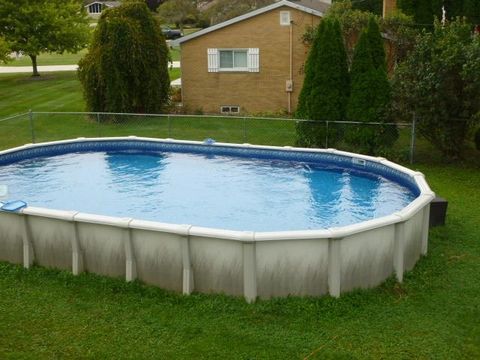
point(245, 17)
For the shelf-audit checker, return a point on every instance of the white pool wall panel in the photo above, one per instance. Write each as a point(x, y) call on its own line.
point(11, 239)
point(217, 265)
point(292, 267)
point(158, 257)
point(366, 258)
point(51, 240)
point(103, 249)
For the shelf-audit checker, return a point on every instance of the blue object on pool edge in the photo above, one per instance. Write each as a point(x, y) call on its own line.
point(209, 141)
point(13, 206)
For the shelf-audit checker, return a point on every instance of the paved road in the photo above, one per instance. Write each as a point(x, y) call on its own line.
point(50, 68)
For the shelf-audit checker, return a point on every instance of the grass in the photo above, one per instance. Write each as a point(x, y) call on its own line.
point(68, 58)
point(175, 53)
point(175, 73)
point(50, 59)
point(59, 91)
point(46, 313)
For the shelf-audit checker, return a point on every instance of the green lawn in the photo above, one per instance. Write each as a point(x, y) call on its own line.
point(45, 313)
point(59, 91)
point(175, 53)
point(49, 59)
point(67, 58)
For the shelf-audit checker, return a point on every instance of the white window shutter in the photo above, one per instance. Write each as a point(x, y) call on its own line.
point(213, 60)
point(253, 60)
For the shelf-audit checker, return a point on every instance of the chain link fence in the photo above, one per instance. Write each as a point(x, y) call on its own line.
point(393, 140)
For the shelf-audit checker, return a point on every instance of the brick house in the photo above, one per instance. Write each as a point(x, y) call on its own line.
point(252, 63)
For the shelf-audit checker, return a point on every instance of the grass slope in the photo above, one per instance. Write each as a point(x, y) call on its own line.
point(434, 314)
point(58, 91)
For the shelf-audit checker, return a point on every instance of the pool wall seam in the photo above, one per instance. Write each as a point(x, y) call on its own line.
point(401, 237)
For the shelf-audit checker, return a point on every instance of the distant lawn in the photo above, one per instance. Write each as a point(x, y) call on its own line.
point(175, 53)
point(175, 73)
point(58, 91)
point(49, 59)
point(67, 58)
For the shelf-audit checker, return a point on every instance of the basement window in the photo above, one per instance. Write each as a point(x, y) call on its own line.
point(229, 109)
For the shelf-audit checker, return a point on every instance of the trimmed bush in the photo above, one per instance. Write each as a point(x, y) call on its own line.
point(126, 68)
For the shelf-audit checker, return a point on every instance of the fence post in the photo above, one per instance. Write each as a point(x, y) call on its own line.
point(326, 135)
point(412, 140)
point(32, 127)
point(98, 125)
point(245, 138)
point(169, 126)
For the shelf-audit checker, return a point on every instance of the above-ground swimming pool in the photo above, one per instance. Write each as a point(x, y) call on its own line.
point(259, 221)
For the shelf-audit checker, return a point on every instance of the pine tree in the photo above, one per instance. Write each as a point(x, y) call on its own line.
point(423, 11)
point(471, 10)
point(324, 94)
point(373, 6)
point(453, 8)
point(126, 68)
point(407, 6)
point(369, 96)
point(376, 44)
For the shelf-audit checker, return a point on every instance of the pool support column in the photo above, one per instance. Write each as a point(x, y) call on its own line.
point(334, 267)
point(399, 250)
point(249, 270)
point(130, 262)
point(77, 254)
point(28, 255)
point(187, 280)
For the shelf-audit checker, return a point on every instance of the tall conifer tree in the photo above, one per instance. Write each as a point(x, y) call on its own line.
point(326, 86)
point(370, 95)
point(471, 10)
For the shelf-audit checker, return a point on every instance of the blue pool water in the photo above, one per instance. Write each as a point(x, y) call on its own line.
point(205, 190)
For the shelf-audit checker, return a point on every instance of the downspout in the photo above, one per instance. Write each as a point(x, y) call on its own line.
point(291, 69)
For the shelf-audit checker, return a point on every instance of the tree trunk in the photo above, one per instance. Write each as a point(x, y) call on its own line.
point(34, 64)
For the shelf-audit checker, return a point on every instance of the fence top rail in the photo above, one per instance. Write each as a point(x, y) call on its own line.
point(232, 117)
point(14, 116)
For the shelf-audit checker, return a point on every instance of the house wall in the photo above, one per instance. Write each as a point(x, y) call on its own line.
point(389, 6)
point(253, 92)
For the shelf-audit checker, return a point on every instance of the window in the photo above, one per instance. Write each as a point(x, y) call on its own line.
point(228, 109)
point(95, 8)
point(285, 18)
point(220, 60)
point(233, 60)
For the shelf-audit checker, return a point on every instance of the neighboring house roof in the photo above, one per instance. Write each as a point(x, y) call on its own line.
point(106, 3)
point(315, 7)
